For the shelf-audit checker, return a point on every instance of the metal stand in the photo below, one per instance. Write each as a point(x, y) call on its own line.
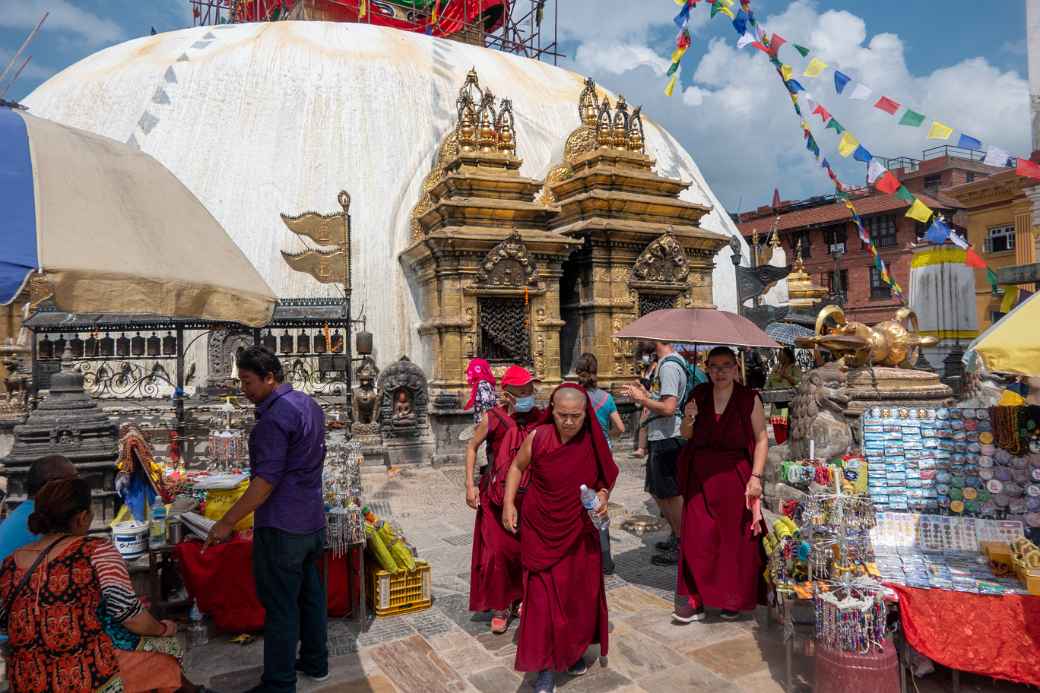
point(362, 612)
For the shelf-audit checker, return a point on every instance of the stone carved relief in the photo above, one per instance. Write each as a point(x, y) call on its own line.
point(662, 262)
point(404, 399)
point(507, 265)
point(222, 348)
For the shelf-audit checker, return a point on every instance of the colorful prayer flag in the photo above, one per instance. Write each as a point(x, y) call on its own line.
point(787, 72)
point(812, 146)
point(991, 277)
point(848, 144)
point(740, 22)
point(683, 18)
point(840, 80)
point(912, 119)
point(968, 142)
point(938, 232)
point(887, 182)
point(887, 105)
point(745, 40)
point(905, 195)
point(958, 240)
point(995, 156)
point(875, 170)
point(814, 68)
point(939, 131)
point(801, 49)
point(919, 211)
point(861, 93)
point(833, 124)
point(861, 154)
point(795, 86)
point(1027, 168)
point(822, 112)
point(972, 259)
point(670, 87)
point(775, 42)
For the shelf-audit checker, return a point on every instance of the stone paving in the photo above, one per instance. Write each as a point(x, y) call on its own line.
point(447, 649)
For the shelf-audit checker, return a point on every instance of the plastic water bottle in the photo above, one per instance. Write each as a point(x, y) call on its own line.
point(198, 633)
point(157, 528)
point(590, 500)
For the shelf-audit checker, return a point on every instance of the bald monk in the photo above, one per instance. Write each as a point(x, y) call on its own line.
point(565, 603)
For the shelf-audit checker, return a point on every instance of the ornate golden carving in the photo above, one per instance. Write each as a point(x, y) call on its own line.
point(663, 261)
point(588, 108)
point(636, 142)
point(504, 127)
point(620, 124)
point(889, 343)
point(605, 125)
point(330, 230)
point(487, 140)
point(507, 265)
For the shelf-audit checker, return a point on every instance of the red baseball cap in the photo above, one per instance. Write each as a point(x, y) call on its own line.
point(517, 376)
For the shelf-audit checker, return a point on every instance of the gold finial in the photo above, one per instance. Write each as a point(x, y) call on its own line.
point(604, 124)
point(620, 125)
point(504, 128)
point(774, 239)
point(636, 141)
point(487, 138)
point(799, 267)
point(588, 109)
point(467, 123)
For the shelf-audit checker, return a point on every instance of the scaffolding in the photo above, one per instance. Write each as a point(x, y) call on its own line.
point(522, 27)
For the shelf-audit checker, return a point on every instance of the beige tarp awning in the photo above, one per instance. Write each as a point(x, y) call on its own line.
point(119, 233)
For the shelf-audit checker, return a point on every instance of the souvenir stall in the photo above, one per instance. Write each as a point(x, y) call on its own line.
point(930, 517)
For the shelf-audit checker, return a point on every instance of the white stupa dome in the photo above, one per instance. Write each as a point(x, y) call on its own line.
point(263, 119)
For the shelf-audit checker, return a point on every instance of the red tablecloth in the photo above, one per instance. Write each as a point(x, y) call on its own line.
point(997, 636)
point(221, 582)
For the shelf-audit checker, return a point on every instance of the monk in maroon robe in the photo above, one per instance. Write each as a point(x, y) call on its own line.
point(565, 603)
point(720, 476)
point(496, 578)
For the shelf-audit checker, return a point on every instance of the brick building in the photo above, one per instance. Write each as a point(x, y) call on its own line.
point(830, 242)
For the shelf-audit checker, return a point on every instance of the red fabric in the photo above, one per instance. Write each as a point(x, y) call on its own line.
point(972, 259)
point(887, 182)
point(720, 558)
point(989, 635)
point(221, 582)
point(887, 105)
point(565, 604)
point(495, 576)
point(1028, 169)
point(822, 112)
point(477, 371)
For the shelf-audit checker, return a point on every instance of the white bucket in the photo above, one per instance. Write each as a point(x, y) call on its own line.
point(131, 539)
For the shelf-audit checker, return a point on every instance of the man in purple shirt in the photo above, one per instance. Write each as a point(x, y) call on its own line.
point(286, 456)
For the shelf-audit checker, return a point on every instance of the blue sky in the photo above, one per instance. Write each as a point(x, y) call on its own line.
point(961, 60)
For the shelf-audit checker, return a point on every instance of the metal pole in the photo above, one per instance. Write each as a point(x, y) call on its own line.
point(25, 44)
point(178, 400)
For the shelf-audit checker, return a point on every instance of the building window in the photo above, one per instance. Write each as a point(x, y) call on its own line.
point(648, 303)
point(835, 238)
point(878, 287)
point(882, 230)
point(970, 178)
point(504, 336)
point(932, 182)
point(1000, 239)
point(806, 241)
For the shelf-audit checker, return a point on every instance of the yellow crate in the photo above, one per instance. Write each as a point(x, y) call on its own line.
point(401, 592)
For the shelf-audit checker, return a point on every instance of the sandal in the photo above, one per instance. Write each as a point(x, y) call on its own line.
point(499, 622)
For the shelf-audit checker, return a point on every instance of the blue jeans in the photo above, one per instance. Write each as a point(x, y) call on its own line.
point(285, 567)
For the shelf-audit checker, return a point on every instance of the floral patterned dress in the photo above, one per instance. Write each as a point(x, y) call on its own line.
point(54, 627)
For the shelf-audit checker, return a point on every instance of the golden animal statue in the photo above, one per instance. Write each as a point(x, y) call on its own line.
point(889, 343)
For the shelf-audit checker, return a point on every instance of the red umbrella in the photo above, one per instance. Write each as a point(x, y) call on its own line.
point(697, 326)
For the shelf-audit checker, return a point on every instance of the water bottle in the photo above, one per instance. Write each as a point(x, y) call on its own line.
point(198, 633)
point(157, 528)
point(590, 500)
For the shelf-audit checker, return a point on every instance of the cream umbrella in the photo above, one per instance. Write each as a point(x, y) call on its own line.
point(111, 230)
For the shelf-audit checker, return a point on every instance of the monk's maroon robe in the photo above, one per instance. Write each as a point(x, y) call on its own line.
point(496, 578)
point(720, 559)
point(565, 603)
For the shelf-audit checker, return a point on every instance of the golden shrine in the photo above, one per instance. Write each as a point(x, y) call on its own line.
point(517, 270)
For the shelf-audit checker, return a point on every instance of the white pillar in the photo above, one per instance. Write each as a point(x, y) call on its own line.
point(1033, 51)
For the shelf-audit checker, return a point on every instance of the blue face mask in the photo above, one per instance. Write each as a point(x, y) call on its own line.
point(524, 404)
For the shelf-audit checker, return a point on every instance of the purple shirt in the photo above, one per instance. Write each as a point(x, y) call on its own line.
point(287, 450)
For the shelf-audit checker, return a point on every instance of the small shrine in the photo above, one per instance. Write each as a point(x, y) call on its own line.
point(404, 401)
point(67, 422)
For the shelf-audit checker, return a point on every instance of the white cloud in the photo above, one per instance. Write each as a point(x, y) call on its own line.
point(63, 17)
point(32, 71)
point(736, 118)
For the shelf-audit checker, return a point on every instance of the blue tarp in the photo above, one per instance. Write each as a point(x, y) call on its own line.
point(17, 206)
